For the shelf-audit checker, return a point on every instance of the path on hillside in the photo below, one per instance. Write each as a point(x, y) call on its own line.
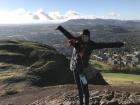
point(53, 92)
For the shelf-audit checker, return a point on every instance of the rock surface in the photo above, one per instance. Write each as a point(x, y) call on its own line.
point(25, 64)
point(102, 97)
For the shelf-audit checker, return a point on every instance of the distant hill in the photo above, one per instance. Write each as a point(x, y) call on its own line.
point(128, 23)
point(108, 30)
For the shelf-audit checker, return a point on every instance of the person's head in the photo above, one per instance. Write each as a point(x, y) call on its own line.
point(85, 36)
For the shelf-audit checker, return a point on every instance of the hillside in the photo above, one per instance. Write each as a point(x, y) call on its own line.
point(104, 30)
point(32, 73)
point(113, 22)
point(26, 64)
point(68, 95)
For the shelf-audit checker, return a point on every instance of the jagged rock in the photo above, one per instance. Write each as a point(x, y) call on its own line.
point(94, 76)
point(112, 102)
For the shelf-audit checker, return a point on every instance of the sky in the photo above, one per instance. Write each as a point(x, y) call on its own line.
point(46, 11)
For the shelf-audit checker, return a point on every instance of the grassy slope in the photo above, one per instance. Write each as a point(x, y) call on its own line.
point(121, 79)
point(100, 65)
point(122, 76)
point(11, 51)
point(116, 78)
point(23, 49)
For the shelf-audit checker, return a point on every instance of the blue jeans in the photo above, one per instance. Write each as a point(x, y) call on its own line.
point(82, 88)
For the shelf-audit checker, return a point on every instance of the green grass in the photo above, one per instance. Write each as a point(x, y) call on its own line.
point(10, 70)
point(100, 65)
point(123, 76)
point(121, 79)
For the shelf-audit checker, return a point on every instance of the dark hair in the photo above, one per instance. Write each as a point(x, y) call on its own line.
point(86, 32)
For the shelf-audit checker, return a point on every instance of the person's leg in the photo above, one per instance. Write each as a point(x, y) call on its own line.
point(86, 93)
point(79, 86)
point(83, 79)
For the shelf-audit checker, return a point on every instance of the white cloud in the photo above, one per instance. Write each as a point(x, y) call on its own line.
point(19, 11)
point(43, 17)
point(112, 15)
point(56, 15)
point(36, 17)
point(72, 15)
point(40, 16)
point(15, 16)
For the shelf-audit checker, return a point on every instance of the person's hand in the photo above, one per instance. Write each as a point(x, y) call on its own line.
point(68, 43)
point(58, 27)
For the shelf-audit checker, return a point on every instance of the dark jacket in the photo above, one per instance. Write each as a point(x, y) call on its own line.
point(79, 63)
point(76, 61)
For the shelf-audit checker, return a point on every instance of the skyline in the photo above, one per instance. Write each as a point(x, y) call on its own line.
point(34, 11)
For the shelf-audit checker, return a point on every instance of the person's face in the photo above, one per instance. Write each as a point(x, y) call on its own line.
point(85, 38)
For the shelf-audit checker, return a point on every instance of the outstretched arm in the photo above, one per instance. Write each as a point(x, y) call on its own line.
point(65, 32)
point(72, 41)
point(106, 45)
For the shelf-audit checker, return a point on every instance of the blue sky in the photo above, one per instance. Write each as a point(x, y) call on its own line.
point(124, 9)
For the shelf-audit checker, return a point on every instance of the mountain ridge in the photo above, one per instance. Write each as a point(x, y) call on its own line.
point(102, 22)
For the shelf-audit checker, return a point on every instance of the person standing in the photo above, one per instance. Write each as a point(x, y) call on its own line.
point(82, 49)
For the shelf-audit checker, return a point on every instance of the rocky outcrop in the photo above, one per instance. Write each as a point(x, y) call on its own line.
point(43, 65)
point(104, 97)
